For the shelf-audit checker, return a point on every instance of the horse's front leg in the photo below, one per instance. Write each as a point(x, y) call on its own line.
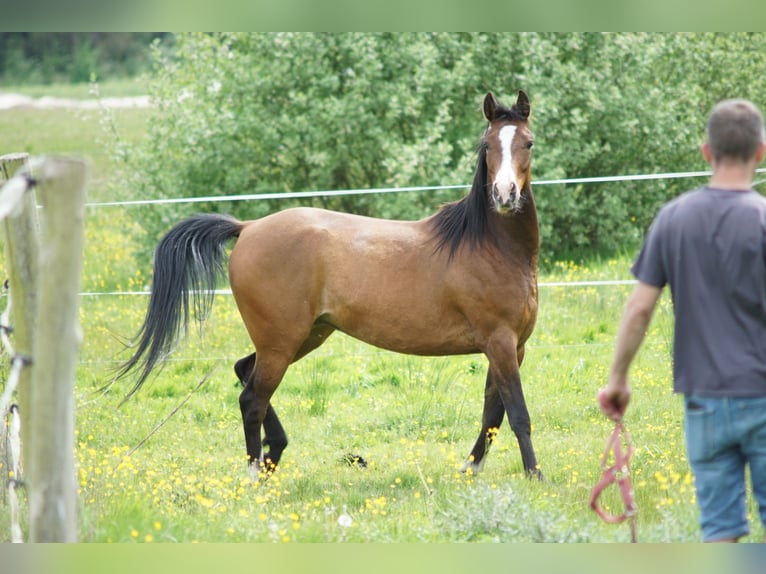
point(504, 371)
point(492, 418)
point(518, 416)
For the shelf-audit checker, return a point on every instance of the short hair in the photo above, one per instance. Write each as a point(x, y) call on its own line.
point(735, 130)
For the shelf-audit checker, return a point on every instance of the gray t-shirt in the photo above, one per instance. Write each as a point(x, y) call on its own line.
point(709, 245)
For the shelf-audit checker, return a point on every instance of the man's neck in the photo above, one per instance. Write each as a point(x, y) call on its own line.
point(732, 175)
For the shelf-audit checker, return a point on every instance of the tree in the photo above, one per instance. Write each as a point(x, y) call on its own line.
point(256, 112)
point(44, 57)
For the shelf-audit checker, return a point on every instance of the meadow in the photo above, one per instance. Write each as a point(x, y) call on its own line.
point(169, 464)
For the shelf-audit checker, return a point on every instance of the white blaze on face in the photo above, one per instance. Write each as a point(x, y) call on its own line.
point(506, 175)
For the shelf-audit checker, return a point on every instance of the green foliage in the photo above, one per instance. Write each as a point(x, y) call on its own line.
point(487, 514)
point(256, 112)
point(44, 57)
point(244, 113)
point(620, 104)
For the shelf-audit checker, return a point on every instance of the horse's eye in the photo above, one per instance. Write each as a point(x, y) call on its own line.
point(530, 145)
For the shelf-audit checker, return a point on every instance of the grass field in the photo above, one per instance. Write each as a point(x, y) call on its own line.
point(413, 420)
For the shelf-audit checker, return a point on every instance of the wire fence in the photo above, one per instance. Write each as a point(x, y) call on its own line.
point(345, 192)
point(366, 351)
point(332, 193)
point(10, 442)
point(606, 282)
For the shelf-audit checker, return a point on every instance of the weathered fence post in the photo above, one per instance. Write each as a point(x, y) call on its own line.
point(52, 485)
point(21, 252)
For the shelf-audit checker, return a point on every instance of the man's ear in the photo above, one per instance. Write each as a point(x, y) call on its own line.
point(760, 152)
point(706, 153)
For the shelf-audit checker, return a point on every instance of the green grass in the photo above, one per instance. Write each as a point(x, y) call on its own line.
point(412, 419)
point(75, 132)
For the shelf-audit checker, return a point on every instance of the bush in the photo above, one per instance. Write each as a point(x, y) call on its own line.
point(256, 112)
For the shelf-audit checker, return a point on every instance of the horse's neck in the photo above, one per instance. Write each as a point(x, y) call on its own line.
point(523, 231)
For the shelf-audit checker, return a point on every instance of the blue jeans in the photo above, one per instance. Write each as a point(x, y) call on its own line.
point(724, 435)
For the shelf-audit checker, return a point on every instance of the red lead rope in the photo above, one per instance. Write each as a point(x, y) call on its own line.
point(619, 472)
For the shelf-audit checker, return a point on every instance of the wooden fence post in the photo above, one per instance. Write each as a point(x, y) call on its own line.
point(21, 252)
point(52, 484)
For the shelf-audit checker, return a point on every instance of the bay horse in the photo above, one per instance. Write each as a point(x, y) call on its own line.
point(461, 281)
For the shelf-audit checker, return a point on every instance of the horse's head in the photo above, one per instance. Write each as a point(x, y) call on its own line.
point(508, 147)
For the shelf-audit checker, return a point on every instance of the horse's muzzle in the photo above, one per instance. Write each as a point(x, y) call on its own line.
point(505, 202)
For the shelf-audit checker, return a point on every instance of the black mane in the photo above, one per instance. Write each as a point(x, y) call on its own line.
point(465, 219)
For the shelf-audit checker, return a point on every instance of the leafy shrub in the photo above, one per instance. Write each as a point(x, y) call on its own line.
point(256, 112)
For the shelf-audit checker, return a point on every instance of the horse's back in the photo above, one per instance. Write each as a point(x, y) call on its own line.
point(381, 281)
point(287, 238)
point(375, 279)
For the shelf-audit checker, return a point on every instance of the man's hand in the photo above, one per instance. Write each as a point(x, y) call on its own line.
point(613, 400)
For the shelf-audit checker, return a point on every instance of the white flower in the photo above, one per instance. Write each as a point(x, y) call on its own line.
point(345, 520)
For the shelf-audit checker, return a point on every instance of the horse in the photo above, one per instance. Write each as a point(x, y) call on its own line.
point(461, 281)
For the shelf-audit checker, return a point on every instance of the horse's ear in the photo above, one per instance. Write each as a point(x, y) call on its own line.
point(522, 105)
point(490, 106)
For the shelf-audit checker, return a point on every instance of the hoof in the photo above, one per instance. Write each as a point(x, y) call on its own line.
point(535, 473)
point(354, 460)
point(470, 466)
point(261, 470)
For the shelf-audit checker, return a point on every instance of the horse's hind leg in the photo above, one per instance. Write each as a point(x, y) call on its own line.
point(255, 415)
point(317, 336)
point(244, 368)
point(259, 381)
point(491, 419)
point(275, 438)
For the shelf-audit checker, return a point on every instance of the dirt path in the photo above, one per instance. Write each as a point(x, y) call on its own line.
point(9, 101)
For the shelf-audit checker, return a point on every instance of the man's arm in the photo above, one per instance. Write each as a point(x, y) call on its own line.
point(614, 398)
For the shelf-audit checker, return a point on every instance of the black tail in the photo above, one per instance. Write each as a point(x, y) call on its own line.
point(188, 261)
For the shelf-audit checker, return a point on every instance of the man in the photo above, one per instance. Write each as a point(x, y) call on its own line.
point(709, 246)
